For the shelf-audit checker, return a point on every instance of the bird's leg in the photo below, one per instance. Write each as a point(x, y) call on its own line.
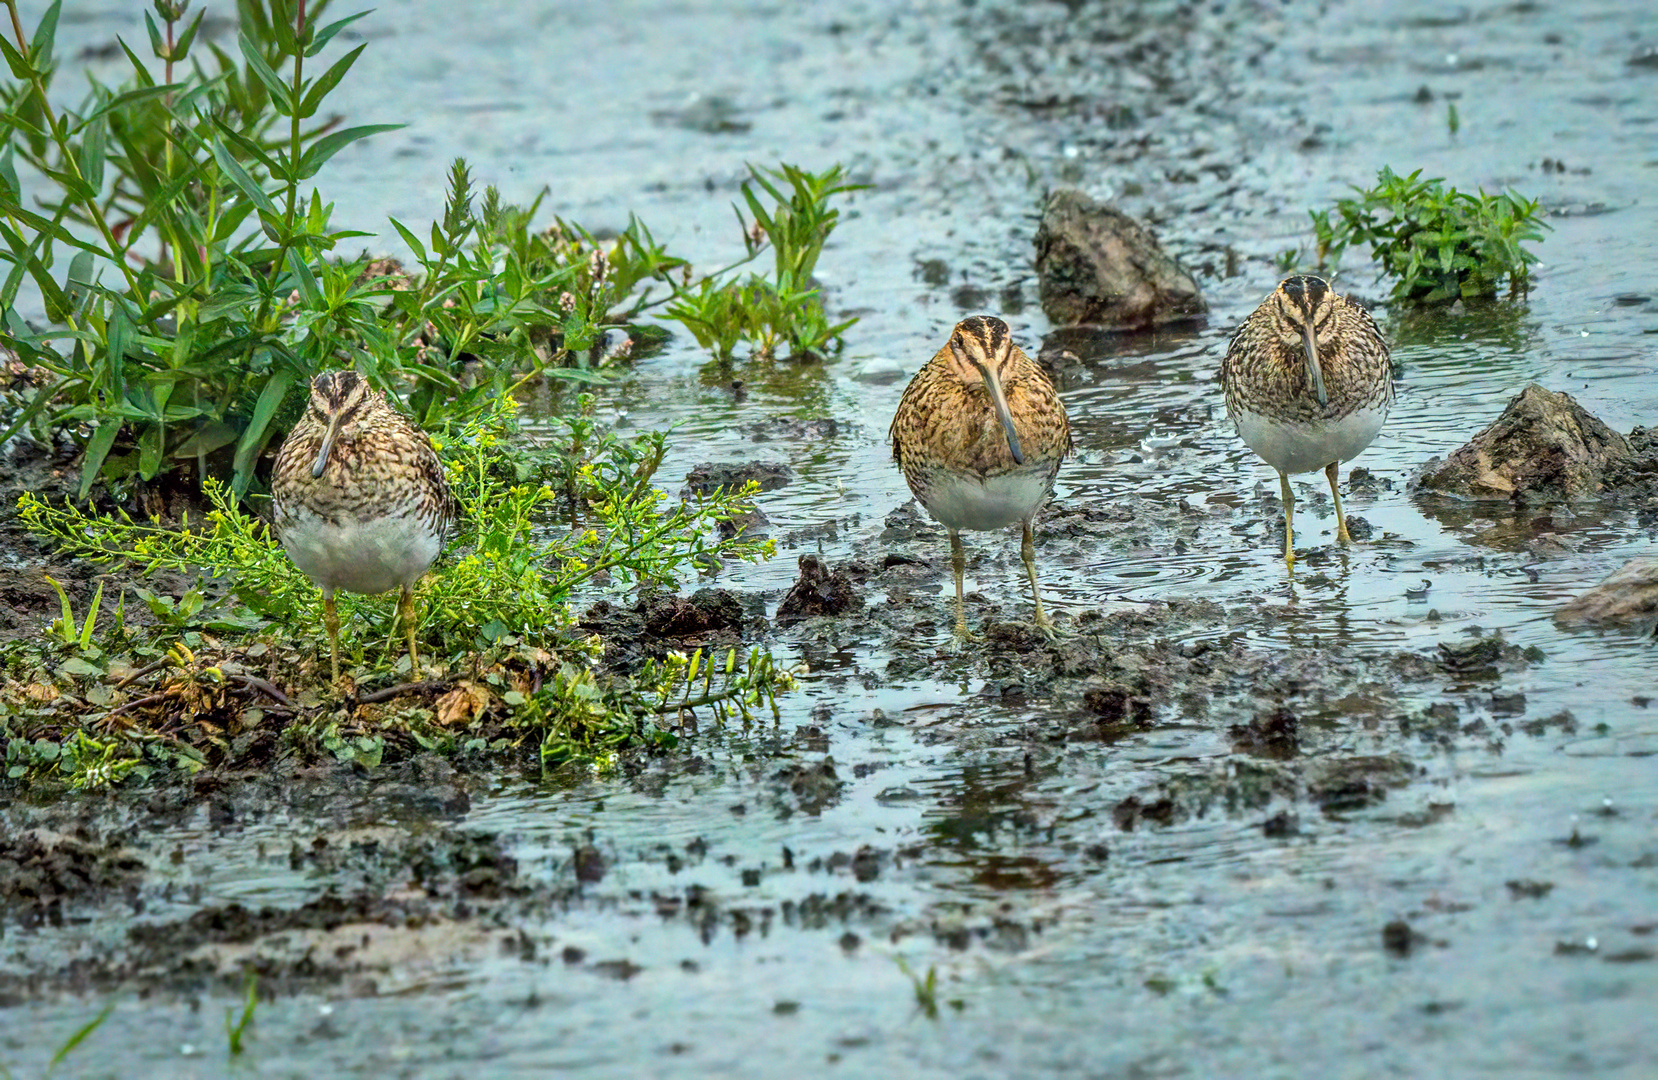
point(1342, 535)
point(958, 562)
point(1027, 549)
point(1289, 520)
point(406, 613)
point(331, 619)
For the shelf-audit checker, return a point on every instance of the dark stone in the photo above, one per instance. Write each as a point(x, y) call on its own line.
point(1544, 446)
point(1097, 266)
point(818, 591)
point(1626, 597)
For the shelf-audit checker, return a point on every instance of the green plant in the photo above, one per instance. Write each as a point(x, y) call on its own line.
point(925, 987)
point(65, 629)
point(1436, 243)
point(236, 1026)
point(784, 308)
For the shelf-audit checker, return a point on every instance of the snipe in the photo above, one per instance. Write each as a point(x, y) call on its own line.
point(1308, 384)
point(360, 499)
point(979, 435)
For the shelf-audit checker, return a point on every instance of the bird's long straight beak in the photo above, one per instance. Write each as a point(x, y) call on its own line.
point(994, 385)
point(1315, 373)
point(328, 436)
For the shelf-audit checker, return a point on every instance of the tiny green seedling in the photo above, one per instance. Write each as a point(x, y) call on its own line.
point(236, 1026)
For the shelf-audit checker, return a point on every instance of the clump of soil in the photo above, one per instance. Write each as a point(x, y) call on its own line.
point(1545, 446)
point(707, 477)
point(1097, 266)
point(819, 591)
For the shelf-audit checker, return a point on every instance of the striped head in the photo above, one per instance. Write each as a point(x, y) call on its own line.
point(340, 400)
point(1304, 309)
point(982, 353)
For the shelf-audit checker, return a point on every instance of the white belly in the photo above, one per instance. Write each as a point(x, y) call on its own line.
point(961, 502)
point(1303, 447)
point(357, 557)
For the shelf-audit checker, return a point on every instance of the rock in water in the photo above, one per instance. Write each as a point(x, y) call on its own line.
point(1628, 596)
point(1097, 266)
point(1543, 446)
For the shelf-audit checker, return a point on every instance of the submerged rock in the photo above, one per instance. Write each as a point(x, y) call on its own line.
point(819, 591)
point(1544, 446)
point(1096, 265)
point(1627, 596)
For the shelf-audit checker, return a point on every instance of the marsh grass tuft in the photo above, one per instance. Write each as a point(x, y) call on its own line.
point(1436, 243)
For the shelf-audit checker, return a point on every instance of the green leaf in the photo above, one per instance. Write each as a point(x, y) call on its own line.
point(241, 178)
point(129, 98)
point(326, 147)
point(92, 152)
point(97, 449)
point(181, 44)
point(409, 238)
point(140, 72)
point(309, 292)
point(207, 438)
point(40, 46)
point(21, 68)
point(158, 45)
point(328, 80)
point(92, 1025)
point(281, 99)
point(253, 436)
point(326, 34)
point(149, 450)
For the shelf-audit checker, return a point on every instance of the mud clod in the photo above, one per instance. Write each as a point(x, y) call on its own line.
point(1272, 735)
point(707, 477)
point(809, 789)
point(704, 611)
point(1097, 266)
point(819, 591)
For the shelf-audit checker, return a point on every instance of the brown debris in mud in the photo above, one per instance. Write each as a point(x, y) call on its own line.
point(1544, 446)
point(1626, 597)
point(1097, 266)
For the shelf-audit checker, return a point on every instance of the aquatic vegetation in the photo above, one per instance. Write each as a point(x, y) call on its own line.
point(1436, 243)
point(183, 691)
point(204, 280)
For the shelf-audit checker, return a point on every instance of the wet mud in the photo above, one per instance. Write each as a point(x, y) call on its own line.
point(1383, 816)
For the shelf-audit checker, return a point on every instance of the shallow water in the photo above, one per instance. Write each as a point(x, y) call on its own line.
point(1204, 948)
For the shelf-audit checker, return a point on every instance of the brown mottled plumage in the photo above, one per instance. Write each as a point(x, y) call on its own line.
point(1308, 384)
point(979, 436)
point(360, 499)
